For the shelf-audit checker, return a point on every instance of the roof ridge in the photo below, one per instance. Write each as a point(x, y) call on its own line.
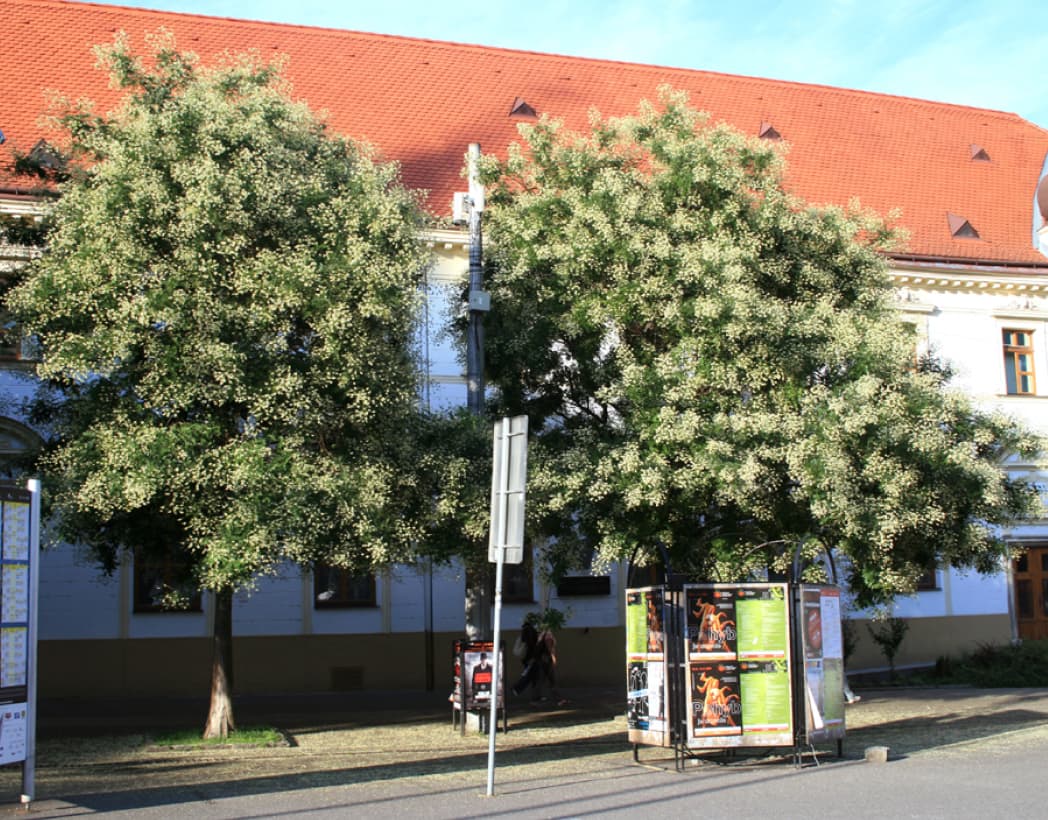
point(545, 55)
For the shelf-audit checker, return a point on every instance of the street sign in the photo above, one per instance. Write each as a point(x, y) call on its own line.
point(509, 471)
point(508, 479)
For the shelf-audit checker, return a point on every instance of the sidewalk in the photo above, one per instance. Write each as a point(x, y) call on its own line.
point(395, 755)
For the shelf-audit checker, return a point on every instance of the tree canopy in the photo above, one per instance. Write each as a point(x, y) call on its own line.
point(710, 364)
point(226, 312)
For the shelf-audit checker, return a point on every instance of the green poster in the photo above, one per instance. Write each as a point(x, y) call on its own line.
point(765, 690)
point(833, 691)
point(762, 627)
point(636, 623)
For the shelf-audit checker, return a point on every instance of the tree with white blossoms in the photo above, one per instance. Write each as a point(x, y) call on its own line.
point(710, 364)
point(225, 311)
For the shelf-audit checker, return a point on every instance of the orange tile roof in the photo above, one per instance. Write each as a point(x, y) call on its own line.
point(422, 102)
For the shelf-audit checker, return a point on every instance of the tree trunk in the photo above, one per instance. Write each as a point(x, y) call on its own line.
point(220, 714)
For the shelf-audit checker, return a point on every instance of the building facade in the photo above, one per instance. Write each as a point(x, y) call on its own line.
point(973, 279)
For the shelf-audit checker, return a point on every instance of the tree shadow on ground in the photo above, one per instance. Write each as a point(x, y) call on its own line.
point(925, 733)
point(101, 797)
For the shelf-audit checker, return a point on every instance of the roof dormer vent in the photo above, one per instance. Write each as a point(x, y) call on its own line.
point(979, 153)
point(521, 109)
point(961, 228)
point(769, 132)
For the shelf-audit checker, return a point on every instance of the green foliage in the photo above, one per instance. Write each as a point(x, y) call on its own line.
point(1024, 664)
point(551, 619)
point(712, 365)
point(888, 634)
point(225, 309)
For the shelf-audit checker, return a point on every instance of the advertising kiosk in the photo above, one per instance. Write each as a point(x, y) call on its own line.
point(734, 666)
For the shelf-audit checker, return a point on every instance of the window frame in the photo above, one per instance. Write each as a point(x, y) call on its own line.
point(168, 569)
point(518, 580)
point(1014, 374)
point(342, 597)
point(929, 580)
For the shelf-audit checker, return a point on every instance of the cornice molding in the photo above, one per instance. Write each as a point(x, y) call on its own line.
point(22, 206)
point(445, 238)
point(969, 279)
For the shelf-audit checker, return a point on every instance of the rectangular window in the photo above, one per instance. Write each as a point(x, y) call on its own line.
point(577, 586)
point(518, 586)
point(584, 581)
point(335, 588)
point(163, 584)
point(929, 581)
point(1018, 362)
point(10, 337)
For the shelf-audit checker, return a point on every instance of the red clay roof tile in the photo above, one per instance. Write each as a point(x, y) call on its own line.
point(421, 102)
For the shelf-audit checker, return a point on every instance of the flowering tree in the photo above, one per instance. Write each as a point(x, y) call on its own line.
point(225, 311)
point(710, 364)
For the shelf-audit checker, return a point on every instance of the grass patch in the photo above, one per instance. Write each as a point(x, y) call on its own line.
point(252, 736)
point(993, 666)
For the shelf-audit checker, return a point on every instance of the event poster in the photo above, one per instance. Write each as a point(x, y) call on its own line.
point(646, 702)
point(13, 733)
point(821, 637)
point(712, 632)
point(765, 688)
point(762, 621)
point(474, 673)
point(716, 705)
point(646, 666)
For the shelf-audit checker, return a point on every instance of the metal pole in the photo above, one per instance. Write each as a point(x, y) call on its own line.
point(478, 610)
point(501, 551)
point(29, 766)
point(475, 336)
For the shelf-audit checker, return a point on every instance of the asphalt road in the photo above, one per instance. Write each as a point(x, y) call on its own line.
point(956, 754)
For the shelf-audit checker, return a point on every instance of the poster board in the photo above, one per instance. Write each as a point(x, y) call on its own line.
point(15, 614)
point(473, 670)
point(823, 650)
point(738, 690)
point(646, 685)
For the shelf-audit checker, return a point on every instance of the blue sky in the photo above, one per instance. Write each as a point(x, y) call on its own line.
point(988, 54)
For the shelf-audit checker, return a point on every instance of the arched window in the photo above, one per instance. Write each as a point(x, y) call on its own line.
point(16, 440)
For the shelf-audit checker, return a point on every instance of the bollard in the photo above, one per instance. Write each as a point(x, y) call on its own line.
point(877, 754)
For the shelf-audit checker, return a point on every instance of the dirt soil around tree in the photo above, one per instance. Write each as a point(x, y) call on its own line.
point(91, 747)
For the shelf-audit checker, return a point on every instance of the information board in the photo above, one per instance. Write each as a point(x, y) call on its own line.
point(15, 599)
point(646, 711)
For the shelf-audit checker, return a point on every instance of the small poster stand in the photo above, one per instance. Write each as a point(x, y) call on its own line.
point(734, 666)
point(473, 684)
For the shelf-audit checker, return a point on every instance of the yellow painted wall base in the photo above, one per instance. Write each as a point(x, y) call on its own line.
point(930, 638)
point(301, 663)
point(332, 663)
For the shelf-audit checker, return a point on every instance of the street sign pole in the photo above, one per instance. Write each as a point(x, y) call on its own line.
point(506, 541)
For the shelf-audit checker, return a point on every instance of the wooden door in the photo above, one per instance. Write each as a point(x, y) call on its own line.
point(1031, 593)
